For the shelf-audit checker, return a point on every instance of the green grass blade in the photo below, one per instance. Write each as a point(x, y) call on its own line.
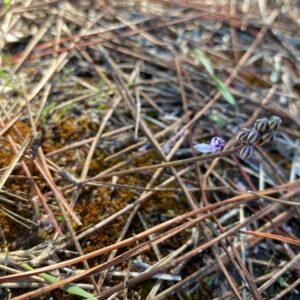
point(69, 288)
point(200, 56)
point(216, 119)
point(204, 61)
point(224, 91)
point(6, 3)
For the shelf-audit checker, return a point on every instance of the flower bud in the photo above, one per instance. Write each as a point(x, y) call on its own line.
point(274, 122)
point(253, 137)
point(242, 135)
point(267, 137)
point(261, 124)
point(246, 152)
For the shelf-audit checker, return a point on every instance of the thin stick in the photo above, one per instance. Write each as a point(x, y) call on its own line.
point(176, 220)
point(167, 164)
point(14, 162)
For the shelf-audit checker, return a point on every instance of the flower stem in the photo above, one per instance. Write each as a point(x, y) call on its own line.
point(167, 164)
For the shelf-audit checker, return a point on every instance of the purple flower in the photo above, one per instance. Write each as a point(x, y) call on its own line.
point(216, 145)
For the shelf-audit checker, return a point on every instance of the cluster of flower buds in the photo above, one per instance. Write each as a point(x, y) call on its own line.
point(262, 132)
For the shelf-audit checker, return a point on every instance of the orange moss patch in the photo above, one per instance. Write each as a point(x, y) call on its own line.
point(22, 128)
point(6, 155)
point(95, 207)
point(67, 129)
point(4, 223)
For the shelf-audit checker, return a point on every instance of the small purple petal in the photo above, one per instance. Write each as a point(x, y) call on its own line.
point(217, 144)
point(204, 148)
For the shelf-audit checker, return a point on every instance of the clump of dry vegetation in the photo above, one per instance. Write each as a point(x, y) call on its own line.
point(102, 195)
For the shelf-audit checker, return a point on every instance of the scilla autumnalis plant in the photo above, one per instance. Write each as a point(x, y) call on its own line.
point(261, 133)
